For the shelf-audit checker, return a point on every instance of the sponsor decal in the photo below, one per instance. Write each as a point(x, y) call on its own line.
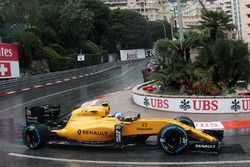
point(210, 146)
point(118, 133)
point(9, 64)
point(185, 141)
point(246, 105)
point(82, 114)
point(8, 52)
point(5, 70)
point(89, 132)
point(131, 56)
point(209, 125)
point(144, 127)
point(156, 103)
point(185, 105)
point(146, 102)
point(235, 105)
point(194, 105)
point(205, 105)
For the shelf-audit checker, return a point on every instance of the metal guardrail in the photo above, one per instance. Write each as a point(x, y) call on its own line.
point(23, 82)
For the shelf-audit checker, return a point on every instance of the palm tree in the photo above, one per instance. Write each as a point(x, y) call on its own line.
point(167, 49)
point(174, 59)
point(215, 22)
point(228, 60)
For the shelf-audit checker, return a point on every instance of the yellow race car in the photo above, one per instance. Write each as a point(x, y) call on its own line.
point(93, 126)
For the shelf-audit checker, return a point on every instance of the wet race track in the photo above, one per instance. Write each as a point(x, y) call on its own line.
point(235, 150)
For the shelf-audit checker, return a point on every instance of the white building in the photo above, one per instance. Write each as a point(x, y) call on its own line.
point(244, 19)
point(239, 10)
point(151, 9)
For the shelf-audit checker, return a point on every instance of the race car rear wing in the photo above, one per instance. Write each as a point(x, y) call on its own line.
point(44, 114)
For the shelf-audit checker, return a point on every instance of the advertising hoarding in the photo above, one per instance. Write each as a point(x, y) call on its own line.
point(194, 105)
point(132, 54)
point(9, 64)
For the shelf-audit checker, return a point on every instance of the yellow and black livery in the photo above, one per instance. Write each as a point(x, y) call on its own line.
point(93, 125)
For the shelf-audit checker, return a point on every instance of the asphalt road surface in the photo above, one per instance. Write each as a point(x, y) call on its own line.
point(235, 150)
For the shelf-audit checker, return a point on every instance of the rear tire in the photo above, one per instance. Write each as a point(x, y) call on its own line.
point(185, 120)
point(35, 136)
point(173, 139)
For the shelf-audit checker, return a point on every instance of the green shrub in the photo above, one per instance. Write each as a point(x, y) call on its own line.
point(34, 30)
point(49, 35)
point(93, 53)
point(29, 46)
point(58, 48)
point(228, 61)
point(57, 62)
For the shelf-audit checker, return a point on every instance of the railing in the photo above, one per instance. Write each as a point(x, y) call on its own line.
point(23, 82)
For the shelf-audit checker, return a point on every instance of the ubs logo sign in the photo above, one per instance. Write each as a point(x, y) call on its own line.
point(155, 103)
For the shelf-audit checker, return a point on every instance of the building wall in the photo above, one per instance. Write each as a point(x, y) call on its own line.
point(245, 20)
point(239, 10)
point(151, 9)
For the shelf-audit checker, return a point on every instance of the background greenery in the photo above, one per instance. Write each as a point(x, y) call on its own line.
point(58, 30)
point(220, 63)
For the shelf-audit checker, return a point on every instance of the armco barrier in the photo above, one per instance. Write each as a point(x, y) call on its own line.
point(191, 104)
point(23, 82)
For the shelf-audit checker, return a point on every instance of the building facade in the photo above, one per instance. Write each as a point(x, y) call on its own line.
point(238, 10)
point(150, 9)
point(244, 23)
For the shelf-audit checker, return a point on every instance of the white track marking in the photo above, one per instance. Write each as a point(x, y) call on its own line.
point(38, 86)
point(11, 92)
point(25, 89)
point(61, 92)
point(130, 163)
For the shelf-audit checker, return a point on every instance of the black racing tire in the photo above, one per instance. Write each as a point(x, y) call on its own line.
point(185, 120)
point(173, 139)
point(35, 136)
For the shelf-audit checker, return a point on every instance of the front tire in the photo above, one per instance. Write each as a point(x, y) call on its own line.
point(35, 136)
point(186, 121)
point(173, 139)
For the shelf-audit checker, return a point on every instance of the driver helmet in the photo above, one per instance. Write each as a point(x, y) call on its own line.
point(118, 115)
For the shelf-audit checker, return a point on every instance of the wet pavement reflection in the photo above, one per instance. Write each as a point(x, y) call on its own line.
point(74, 93)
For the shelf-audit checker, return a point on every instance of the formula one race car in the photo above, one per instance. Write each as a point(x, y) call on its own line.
point(93, 126)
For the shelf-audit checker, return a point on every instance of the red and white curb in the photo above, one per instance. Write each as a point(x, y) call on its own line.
point(54, 82)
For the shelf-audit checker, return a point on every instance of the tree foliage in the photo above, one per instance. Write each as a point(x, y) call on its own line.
point(30, 47)
point(216, 22)
point(66, 27)
point(229, 61)
point(129, 30)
